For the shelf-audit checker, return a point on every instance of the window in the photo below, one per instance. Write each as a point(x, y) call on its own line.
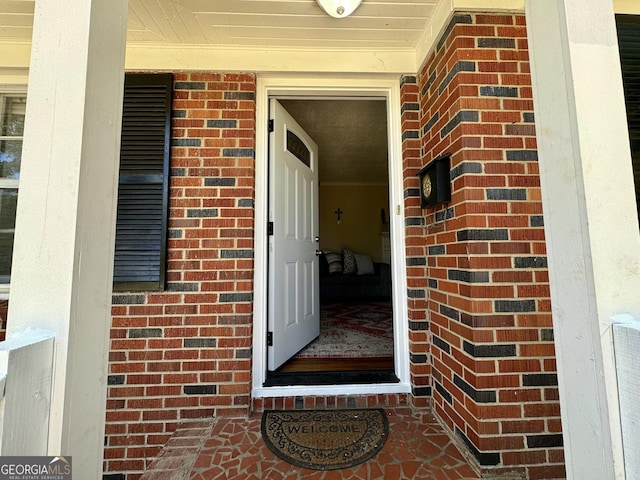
point(143, 191)
point(12, 110)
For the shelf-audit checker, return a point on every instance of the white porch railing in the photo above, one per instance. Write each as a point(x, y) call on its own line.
point(26, 366)
point(626, 339)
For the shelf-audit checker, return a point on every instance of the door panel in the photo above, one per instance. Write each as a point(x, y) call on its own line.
point(294, 314)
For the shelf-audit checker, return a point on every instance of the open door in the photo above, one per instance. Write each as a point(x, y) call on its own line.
point(294, 313)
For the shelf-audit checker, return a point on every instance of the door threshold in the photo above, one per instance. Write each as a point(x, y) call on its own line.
point(358, 377)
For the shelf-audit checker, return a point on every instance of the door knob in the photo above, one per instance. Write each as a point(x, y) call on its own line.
point(317, 239)
point(318, 253)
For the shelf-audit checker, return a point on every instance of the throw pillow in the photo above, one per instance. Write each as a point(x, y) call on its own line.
point(349, 266)
point(365, 265)
point(335, 262)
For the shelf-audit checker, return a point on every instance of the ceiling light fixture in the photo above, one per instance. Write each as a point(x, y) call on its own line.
point(339, 8)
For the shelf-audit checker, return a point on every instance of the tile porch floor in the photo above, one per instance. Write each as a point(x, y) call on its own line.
point(232, 448)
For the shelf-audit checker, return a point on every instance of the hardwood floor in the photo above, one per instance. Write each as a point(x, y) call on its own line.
point(300, 365)
point(333, 371)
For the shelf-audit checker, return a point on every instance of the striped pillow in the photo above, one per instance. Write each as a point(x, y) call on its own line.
point(335, 262)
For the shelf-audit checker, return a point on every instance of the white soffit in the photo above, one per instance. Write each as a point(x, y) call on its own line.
point(276, 35)
point(382, 36)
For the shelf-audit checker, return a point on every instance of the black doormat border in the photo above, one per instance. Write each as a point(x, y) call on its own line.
point(325, 424)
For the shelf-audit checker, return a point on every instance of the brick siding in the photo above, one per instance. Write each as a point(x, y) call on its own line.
point(186, 352)
point(480, 331)
point(416, 251)
point(494, 373)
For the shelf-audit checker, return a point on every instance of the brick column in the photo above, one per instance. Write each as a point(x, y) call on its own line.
point(494, 373)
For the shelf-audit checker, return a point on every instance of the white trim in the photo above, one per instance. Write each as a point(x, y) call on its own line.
point(269, 59)
point(387, 87)
point(6, 89)
point(322, 390)
point(10, 182)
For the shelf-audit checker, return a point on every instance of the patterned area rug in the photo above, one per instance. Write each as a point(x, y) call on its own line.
point(325, 439)
point(350, 330)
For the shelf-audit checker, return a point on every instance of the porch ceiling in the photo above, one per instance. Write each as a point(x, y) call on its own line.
point(376, 24)
point(381, 36)
point(351, 135)
point(278, 23)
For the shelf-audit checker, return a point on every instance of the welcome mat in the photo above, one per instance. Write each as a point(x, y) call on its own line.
point(325, 439)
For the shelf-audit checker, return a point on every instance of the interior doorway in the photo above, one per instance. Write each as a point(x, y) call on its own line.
point(388, 220)
point(344, 146)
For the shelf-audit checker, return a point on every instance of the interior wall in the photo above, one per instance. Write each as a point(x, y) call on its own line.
point(360, 225)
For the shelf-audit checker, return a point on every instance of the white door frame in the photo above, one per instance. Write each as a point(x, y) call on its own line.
point(327, 86)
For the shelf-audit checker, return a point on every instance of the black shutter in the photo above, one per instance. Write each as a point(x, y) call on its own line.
point(629, 43)
point(143, 191)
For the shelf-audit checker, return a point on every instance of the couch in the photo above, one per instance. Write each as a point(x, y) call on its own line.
point(339, 285)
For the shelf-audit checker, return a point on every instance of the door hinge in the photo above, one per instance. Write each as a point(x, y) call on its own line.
point(269, 228)
point(269, 339)
point(271, 126)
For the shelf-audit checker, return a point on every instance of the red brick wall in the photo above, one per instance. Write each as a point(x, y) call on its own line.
point(480, 331)
point(494, 374)
point(416, 251)
point(186, 352)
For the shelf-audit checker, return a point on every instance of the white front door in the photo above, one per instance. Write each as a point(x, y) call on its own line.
point(294, 313)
